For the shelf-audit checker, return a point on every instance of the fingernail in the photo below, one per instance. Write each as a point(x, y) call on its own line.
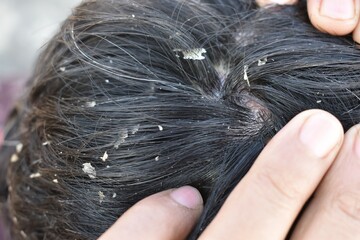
point(282, 2)
point(336, 9)
point(187, 196)
point(357, 143)
point(320, 134)
point(263, 3)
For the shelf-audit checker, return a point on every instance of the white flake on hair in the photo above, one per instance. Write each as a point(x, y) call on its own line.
point(318, 101)
point(46, 143)
point(192, 54)
point(105, 156)
point(62, 69)
point(35, 175)
point(55, 181)
point(23, 234)
point(89, 170)
point(101, 196)
point(123, 134)
point(157, 158)
point(14, 158)
point(160, 128)
point(135, 129)
point(246, 78)
point(133, 15)
point(19, 147)
point(107, 80)
point(114, 195)
point(262, 61)
point(90, 104)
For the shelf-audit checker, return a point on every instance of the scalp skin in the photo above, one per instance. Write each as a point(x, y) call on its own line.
point(115, 80)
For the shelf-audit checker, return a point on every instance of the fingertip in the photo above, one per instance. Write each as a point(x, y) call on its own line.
point(356, 34)
point(281, 180)
point(354, 136)
point(170, 214)
point(334, 17)
point(312, 128)
point(321, 133)
point(188, 197)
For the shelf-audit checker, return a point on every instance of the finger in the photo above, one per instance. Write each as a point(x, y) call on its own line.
point(263, 3)
point(268, 199)
point(334, 16)
point(334, 213)
point(167, 215)
point(1, 138)
point(356, 33)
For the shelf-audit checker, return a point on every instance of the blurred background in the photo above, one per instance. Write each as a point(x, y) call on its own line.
point(25, 26)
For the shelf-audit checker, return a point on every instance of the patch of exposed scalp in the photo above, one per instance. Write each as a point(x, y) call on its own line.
point(259, 111)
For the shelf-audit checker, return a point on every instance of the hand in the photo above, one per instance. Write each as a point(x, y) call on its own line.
point(168, 215)
point(269, 198)
point(337, 17)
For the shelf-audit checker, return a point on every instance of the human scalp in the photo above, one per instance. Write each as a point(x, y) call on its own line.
point(134, 97)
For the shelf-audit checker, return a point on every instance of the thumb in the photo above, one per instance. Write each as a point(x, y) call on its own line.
point(333, 16)
point(264, 3)
point(169, 215)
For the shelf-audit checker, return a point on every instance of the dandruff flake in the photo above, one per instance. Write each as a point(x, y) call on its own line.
point(23, 234)
point(90, 104)
point(192, 54)
point(101, 196)
point(262, 61)
point(246, 78)
point(135, 129)
point(35, 175)
point(19, 147)
point(89, 170)
point(105, 156)
point(123, 134)
point(14, 158)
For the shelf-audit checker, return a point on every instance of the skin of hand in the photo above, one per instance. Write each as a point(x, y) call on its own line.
point(336, 17)
point(269, 198)
point(320, 161)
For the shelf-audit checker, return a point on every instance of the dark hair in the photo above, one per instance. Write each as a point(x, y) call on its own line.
point(134, 97)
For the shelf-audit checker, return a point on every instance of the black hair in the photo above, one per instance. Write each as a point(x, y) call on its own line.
point(134, 97)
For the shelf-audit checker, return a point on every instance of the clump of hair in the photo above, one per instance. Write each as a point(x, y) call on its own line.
point(134, 97)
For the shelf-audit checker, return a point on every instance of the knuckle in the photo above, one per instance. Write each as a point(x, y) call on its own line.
point(278, 187)
point(348, 203)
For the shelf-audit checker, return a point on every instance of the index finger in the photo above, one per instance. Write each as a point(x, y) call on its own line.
point(268, 199)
